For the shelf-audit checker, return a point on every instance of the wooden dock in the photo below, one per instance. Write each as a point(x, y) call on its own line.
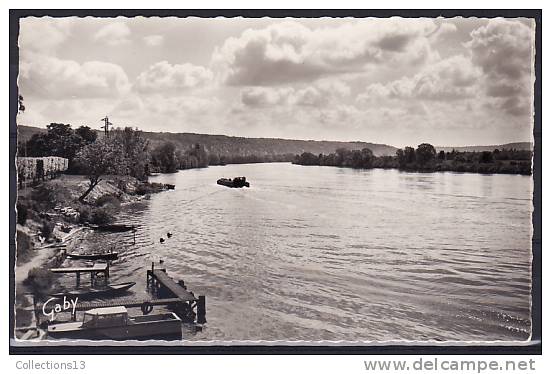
point(158, 278)
point(92, 270)
point(173, 295)
point(189, 307)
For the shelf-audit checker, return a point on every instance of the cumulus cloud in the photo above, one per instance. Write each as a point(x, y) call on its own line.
point(449, 79)
point(504, 51)
point(443, 30)
point(113, 34)
point(318, 94)
point(129, 104)
point(265, 96)
point(153, 40)
point(289, 51)
point(503, 48)
point(51, 77)
point(43, 34)
point(163, 76)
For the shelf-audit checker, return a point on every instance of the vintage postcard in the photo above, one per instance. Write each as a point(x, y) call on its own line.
point(202, 180)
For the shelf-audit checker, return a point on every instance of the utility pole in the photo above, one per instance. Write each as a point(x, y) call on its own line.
point(106, 126)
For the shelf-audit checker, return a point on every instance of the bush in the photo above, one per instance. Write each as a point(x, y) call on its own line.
point(84, 213)
point(147, 188)
point(108, 200)
point(44, 195)
point(24, 247)
point(47, 228)
point(40, 281)
point(22, 213)
point(101, 216)
point(121, 185)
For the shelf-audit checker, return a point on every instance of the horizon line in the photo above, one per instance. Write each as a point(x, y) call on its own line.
point(304, 140)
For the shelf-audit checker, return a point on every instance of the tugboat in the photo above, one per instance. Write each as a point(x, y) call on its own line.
point(237, 182)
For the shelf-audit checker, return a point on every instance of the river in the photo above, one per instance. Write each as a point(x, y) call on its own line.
point(335, 254)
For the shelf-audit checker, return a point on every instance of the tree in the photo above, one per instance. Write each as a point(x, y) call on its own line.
point(87, 134)
point(36, 146)
point(409, 154)
point(307, 158)
point(135, 150)
point(442, 155)
point(425, 153)
point(341, 156)
point(164, 157)
point(486, 157)
point(60, 140)
point(198, 151)
point(102, 157)
point(367, 158)
point(214, 159)
point(400, 155)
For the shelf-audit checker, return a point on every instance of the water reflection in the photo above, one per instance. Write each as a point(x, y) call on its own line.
point(320, 253)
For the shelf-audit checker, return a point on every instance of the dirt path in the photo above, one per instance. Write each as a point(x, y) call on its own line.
point(44, 255)
point(38, 260)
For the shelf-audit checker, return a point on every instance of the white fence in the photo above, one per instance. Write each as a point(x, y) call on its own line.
point(36, 168)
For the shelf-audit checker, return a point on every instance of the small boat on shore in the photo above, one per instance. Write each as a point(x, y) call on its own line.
point(88, 293)
point(237, 182)
point(116, 227)
point(114, 323)
point(110, 256)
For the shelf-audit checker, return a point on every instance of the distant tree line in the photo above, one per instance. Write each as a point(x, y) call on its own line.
point(425, 158)
point(125, 151)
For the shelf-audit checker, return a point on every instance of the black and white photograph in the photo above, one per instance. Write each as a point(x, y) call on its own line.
point(347, 180)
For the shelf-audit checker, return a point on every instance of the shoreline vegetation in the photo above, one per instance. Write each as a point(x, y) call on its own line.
point(54, 215)
point(425, 159)
point(53, 222)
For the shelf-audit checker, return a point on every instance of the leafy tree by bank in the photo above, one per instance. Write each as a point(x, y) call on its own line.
point(104, 156)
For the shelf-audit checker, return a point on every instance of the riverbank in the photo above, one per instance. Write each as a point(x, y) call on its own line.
point(53, 222)
point(472, 163)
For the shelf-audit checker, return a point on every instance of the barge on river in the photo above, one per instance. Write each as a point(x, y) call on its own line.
point(237, 182)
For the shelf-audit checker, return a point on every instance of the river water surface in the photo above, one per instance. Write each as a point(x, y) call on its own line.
point(325, 253)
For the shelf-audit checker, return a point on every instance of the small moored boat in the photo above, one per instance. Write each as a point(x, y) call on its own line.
point(114, 323)
point(87, 293)
point(237, 182)
point(110, 256)
point(116, 227)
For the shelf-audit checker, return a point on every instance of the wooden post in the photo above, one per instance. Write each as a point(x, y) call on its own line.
point(201, 310)
point(36, 314)
point(92, 278)
point(78, 279)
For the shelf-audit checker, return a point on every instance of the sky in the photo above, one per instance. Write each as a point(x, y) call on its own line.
point(398, 81)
